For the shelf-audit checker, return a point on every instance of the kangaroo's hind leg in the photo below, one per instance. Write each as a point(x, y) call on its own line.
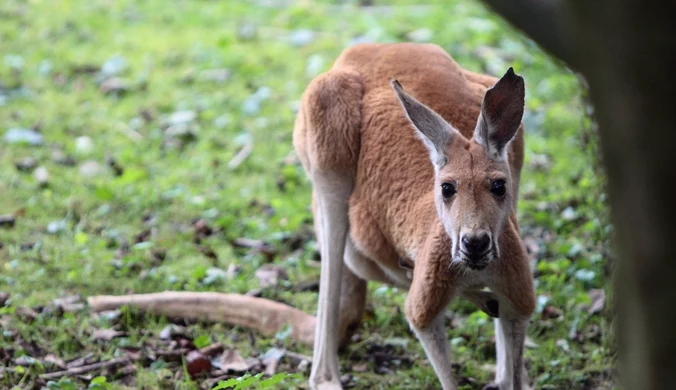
point(326, 137)
point(352, 289)
point(352, 297)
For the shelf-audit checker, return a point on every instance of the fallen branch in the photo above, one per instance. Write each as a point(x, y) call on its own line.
point(241, 155)
point(88, 368)
point(213, 349)
point(260, 314)
point(297, 356)
point(266, 316)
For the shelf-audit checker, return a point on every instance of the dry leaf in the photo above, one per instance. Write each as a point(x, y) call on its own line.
point(231, 361)
point(26, 314)
point(55, 361)
point(269, 275)
point(41, 174)
point(550, 312)
point(360, 367)
point(107, 334)
point(598, 301)
point(4, 297)
point(213, 349)
point(70, 303)
point(172, 331)
point(196, 363)
point(8, 220)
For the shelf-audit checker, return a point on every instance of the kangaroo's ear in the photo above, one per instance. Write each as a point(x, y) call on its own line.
point(432, 129)
point(501, 114)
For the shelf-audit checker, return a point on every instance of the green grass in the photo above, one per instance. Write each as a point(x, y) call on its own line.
point(68, 233)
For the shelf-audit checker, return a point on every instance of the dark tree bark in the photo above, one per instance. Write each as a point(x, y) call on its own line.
point(626, 50)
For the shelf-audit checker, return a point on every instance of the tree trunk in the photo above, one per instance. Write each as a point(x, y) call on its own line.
point(626, 50)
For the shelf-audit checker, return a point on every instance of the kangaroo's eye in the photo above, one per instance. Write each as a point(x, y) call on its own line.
point(447, 190)
point(498, 187)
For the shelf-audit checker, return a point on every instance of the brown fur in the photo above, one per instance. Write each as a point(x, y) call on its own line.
point(351, 123)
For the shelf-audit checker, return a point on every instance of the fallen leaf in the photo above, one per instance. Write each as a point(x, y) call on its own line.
point(196, 363)
point(26, 164)
point(81, 361)
point(41, 174)
point(312, 285)
point(397, 342)
point(7, 220)
point(540, 162)
point(114, 86)
point(172, 331)
point(90, 168)
point(113, 66)
point(133, 353)
point(271, 360)
point(270, 275)
point(202, 229)
point(550, 312)
point(300, 37)
point(114, 166)
point(4, 297)
point(127, 370)
point(563, 344)
point(179, 134)
point(592, 332)
point(147, 115)
point(215, 75)
point(110, 315)
point(172, 355)
point(569, 214)
point(55, 227)
point(532, 246)
point(243, 242)
point(69, 304)
point(54, 361)
point(143, 236)
point(107, 334)
point(84, 144)
point(26, 361)
point(207, 251)
point(529, 343)
point(181, 117)
point(231, 361)
point(213, 349)
point(304, 366)
point(24, 136)
point(215, 275)
point(256, 292)
point(84, 69)
point(598, 301)
point(26, 314)
point(347, 378)
point(489, 368)
point(360, 367)
point(242, 155)
point(420, 35)
point(184, 343)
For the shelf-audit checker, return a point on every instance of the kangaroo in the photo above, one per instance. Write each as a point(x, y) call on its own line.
point(414, 160)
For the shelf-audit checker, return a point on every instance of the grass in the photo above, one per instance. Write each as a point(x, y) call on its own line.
point(192, 83)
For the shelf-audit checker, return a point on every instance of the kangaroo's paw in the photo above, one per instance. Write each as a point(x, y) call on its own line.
point(326, 386)
point(495, 386)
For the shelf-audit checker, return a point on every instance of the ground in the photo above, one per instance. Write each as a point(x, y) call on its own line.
point(142, 140)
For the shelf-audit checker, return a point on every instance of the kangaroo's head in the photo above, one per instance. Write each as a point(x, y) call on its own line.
point(473, 185)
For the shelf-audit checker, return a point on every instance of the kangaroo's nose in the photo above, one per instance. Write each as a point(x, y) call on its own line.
point(476, 244)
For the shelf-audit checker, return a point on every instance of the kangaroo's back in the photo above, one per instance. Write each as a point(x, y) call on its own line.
point(427, 71)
